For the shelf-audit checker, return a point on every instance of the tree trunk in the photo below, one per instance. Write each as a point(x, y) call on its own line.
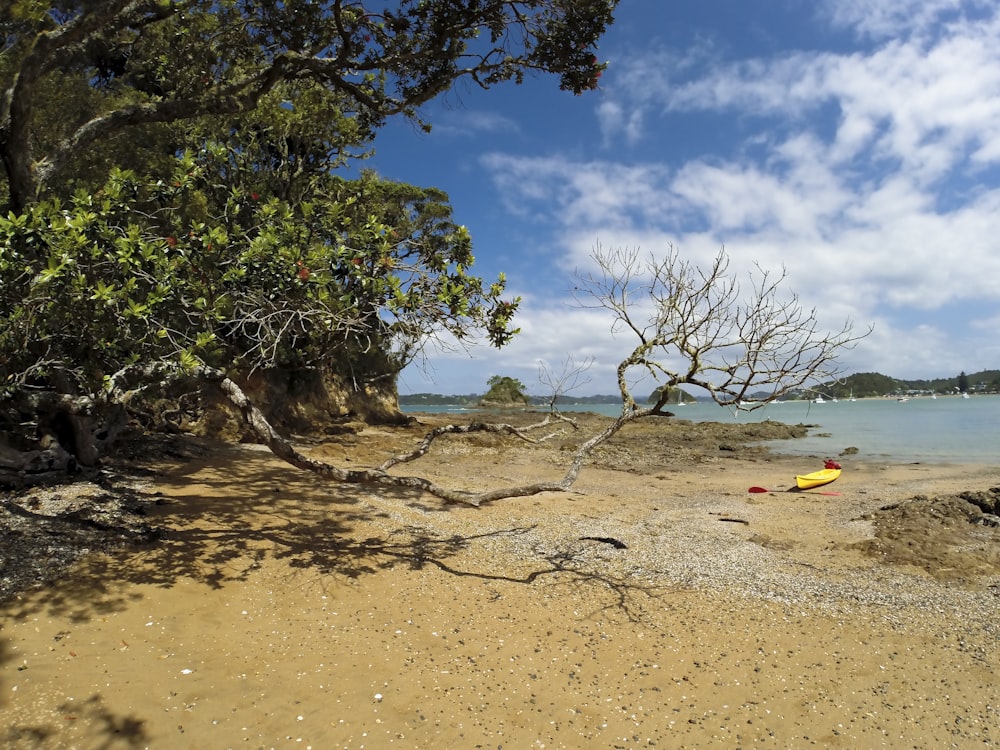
point(69, 432)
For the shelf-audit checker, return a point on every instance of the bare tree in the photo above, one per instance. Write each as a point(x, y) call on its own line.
point(571, 376)
point(697, 327)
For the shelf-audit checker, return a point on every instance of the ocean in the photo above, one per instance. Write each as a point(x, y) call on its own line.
point(948, 429)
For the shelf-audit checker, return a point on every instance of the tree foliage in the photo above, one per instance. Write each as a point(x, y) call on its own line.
point(139, 273)
point(862, 385)
point(130, 68)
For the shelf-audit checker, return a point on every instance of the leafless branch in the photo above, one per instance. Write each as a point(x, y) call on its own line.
point(697, 327)
point(568, 379)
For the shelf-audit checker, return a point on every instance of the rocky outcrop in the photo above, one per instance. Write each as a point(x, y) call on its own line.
point(304, 401)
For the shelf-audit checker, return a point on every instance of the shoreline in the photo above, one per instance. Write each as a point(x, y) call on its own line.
point(278, 611)
point(942, 431)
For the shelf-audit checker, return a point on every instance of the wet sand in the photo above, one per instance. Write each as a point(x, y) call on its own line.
point(282, 612)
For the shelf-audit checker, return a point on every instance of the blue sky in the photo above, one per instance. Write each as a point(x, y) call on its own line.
point(854, 143)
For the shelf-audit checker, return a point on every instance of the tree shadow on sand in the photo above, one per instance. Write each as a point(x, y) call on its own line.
point(226, 512)
point(223, 517)
point(105, 729)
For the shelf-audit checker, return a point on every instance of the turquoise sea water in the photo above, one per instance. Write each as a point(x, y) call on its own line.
point(947, 429)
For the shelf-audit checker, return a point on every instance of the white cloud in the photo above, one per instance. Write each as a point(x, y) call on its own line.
point(918, 120)
point(614, 119)
point(924, 108)
point(552, 330)
point(795, 194)
point(577, 193)
point(885, 18)
point(791, 85)
point(888, 242)
point(926, 104)
point(928, 352)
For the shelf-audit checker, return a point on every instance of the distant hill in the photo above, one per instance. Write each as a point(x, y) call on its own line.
point(859, 385)
point(612, 398)
point(868, 384)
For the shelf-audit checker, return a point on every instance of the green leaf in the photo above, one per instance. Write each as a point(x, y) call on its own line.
point(51, 272)
point(188, 360)
point(136, 309)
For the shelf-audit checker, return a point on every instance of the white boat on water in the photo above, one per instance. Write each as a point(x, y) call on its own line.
point(819, 400)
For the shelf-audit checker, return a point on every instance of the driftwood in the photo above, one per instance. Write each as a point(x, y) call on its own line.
point(284, 450)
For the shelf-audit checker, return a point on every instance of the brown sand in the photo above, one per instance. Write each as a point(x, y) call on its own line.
point(281, 612)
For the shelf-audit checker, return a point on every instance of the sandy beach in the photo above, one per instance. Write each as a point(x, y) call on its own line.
point(660, 604)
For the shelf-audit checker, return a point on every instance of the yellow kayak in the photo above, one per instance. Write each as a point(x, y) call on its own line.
point(817, 478)
point(825, 475)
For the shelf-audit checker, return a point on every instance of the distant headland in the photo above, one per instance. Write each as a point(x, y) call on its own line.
point(858, 385)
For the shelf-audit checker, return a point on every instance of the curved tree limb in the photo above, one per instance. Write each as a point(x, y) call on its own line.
point(284, 450)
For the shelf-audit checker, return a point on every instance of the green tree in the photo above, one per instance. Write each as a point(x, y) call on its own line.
point(120, 286)
point(865, 385)
point(505, 390)
point(221, 238)
point(963, 382)
point(80, 77)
